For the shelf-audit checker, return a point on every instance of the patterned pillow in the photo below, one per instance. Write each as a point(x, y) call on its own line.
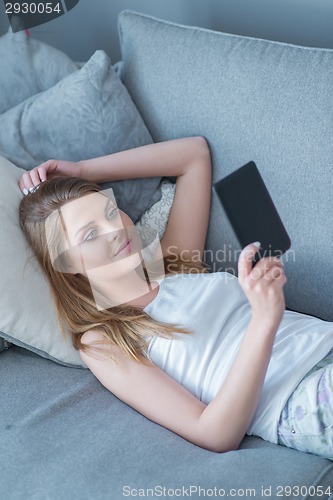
point(157, 216)
point(85, 115)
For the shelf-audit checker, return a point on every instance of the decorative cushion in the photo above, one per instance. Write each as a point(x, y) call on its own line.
point(156, 217)
point(252, 99)
point(27, 67)
point(28, 317)
point(85, 115)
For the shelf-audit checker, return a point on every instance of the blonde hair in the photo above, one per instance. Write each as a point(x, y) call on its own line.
point(125, 326)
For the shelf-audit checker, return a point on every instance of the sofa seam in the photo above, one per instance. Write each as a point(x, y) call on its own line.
point(130, 12)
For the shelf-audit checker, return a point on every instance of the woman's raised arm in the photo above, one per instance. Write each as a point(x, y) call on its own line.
point(166, 159)
point(188, 159)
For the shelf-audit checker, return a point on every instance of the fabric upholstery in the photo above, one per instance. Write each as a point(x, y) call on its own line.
point(252, 99)
point(85, 115)
point(84, 442)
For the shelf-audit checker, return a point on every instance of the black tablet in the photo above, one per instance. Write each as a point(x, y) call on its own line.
point(251, 211)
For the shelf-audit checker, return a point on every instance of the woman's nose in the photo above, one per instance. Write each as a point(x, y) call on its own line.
point(112, 226)
point(113, 233)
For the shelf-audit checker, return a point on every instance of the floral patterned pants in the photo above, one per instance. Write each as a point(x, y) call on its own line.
point(306, 422)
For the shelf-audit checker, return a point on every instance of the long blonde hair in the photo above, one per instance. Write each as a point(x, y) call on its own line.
point(125, 326)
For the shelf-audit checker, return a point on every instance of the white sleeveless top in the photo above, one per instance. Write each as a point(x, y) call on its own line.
point(215, 308)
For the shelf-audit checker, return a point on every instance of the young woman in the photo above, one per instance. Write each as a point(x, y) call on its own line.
point(210, 356)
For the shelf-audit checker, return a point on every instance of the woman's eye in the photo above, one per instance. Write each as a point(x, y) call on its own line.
point(113, 210)
point(88, 238)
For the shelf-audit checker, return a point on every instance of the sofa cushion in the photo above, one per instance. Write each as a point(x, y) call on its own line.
point(85, 115)
point(252, 99)
point(88, 444)
point(27, 67)
point(28, 317)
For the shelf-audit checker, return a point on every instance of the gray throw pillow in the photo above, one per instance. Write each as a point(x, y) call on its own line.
point(27, 67)
point(85, 115)
point(252, 99)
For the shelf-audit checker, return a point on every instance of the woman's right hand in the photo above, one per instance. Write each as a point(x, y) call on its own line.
point(47, 170)
point(263, 285)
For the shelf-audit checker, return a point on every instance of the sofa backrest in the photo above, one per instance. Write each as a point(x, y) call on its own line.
point(252, 99)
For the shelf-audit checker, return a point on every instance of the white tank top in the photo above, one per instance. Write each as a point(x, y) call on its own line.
point(216, 309)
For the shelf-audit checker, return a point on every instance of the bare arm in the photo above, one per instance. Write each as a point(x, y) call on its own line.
point(228, 416)
point(187, 159)
point(170, 158)
point(166, 159)
point(219, 426)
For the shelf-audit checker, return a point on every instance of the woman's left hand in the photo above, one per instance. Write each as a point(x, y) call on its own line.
point(47, 170)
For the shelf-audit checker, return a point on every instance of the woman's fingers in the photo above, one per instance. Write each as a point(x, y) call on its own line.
point(25, 183)
point(263, 285)
point(42, 172)
point(264, 265)
point(245, 260)
point(269, 286)
point(49, 169)
point(36, 176)
point(276, 270)
point(31, 179)
point(267, 268)
point(275, 273)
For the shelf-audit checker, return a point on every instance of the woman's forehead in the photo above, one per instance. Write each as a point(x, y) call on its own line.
point(87, 202)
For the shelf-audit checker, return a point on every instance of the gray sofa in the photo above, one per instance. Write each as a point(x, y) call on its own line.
point(63, 435)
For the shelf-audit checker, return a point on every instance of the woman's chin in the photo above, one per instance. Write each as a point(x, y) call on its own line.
point(116, 268)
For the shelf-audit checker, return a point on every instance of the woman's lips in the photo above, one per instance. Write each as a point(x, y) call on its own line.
point(124, 248)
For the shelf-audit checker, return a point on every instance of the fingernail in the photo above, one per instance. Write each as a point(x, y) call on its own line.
point(257, 244)
point(43, 180)
point(31, 189)
point(25, 191)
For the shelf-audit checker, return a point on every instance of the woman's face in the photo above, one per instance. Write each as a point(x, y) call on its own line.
point(97, 235)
